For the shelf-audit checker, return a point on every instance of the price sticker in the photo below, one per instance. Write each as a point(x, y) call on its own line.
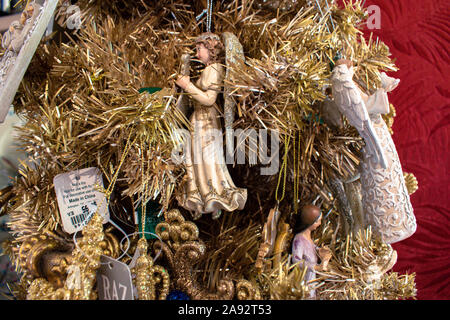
point(78, 198)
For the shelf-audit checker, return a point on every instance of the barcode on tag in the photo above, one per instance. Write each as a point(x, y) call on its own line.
point(79, 219)
point(79, 198)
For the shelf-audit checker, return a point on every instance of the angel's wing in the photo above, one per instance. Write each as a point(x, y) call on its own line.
point(234, 52)
point(347, 97)
point(350, 103)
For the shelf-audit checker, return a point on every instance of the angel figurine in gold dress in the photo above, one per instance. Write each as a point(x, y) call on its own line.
point(207, 186)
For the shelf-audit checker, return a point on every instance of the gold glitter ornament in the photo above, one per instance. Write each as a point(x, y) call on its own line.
point(110, 245)
point(175, 230)
point(389, 117)
point(45, 256)
point(183, 250)
point(148, 276)
point(245, 290)
point(411, 182)
point(82, 271)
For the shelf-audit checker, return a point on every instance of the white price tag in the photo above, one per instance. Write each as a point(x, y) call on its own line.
point(114, 280)
point(78, 198)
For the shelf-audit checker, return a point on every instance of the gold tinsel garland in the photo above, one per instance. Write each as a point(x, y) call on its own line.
point(82, 107)
point(359, 268)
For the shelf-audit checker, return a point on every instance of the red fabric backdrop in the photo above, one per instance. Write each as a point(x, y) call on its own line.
point(418, 34)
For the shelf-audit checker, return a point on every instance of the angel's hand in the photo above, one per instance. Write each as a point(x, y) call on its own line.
point(388, 83)
point(344, 61)
point(183, 81)
point(325, 254)
point(323, 267)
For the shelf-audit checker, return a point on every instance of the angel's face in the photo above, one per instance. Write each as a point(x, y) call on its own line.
point(202, 53)
point(317, 223)
point(23, 18)
point(30, 11)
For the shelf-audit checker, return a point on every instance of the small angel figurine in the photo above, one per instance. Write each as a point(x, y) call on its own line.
point(304, 251)
point(207, 186)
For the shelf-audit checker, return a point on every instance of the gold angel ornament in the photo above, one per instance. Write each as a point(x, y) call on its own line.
point(207, 186)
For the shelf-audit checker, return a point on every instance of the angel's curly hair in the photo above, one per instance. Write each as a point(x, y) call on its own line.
point(212, 42)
